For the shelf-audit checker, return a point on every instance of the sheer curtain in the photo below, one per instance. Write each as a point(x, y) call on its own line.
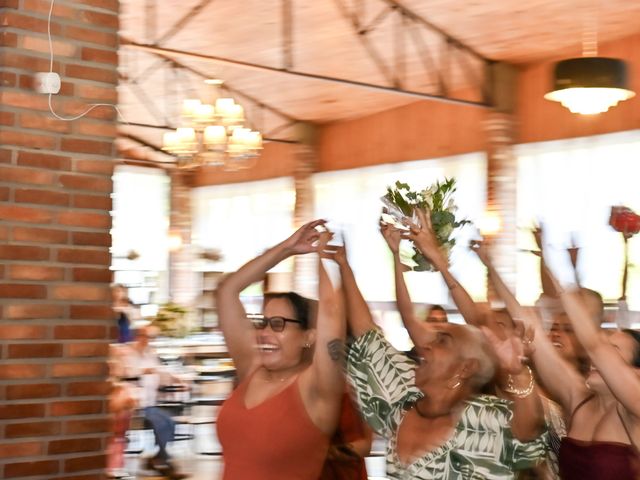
point(243, 220)
point(140, 223)
point(569, 186)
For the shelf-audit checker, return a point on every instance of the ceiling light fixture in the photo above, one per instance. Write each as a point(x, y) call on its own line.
point(590, 84)
point(213, 134)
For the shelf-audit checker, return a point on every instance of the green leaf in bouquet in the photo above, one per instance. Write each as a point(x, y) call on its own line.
point(401, 203)
point(422, 204)
point(461, 223)
point(443, 232)
point(441, 218)
point(412, 196)
point(422, 264)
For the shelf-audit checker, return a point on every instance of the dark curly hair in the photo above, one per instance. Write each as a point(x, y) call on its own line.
point(304, 308)
point(636, 354)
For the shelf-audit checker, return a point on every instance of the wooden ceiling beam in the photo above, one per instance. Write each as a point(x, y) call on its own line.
point(126, 42)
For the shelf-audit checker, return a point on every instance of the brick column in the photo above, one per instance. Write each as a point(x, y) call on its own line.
point(55, 186)
point(501, 194)
point(304, 274)
point(182, 281)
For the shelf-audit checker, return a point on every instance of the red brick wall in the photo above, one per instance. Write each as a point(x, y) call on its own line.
point(55, 186)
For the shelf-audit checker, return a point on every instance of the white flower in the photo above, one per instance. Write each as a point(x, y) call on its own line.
point(429, 201)
point(428, 192)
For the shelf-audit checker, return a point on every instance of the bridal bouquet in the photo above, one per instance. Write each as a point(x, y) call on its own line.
point(437, 202)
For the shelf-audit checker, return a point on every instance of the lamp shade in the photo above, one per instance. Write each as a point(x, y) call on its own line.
point(590, 85)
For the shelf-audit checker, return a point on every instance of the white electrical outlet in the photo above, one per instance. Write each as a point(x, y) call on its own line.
point(46, 82)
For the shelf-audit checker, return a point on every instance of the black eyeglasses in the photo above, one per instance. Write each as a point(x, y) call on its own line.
point(277, 323)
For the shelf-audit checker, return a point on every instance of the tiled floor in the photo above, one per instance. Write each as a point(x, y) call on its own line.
point(204, 467)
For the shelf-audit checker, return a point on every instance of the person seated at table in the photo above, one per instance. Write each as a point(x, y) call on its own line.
point(123, 311)
point(122, 402)
point(142, 363)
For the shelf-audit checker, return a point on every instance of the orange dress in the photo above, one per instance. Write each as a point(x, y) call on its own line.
point(274, 440)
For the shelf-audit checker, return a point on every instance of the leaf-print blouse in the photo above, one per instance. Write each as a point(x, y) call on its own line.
point(482, 445)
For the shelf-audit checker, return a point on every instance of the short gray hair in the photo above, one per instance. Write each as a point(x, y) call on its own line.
point(478, 348)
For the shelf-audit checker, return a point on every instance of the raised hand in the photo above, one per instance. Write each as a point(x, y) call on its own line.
point(481, 249)
point(304, 239)
point(392, 236)
point(514, 349)
point(537, 236)
point(337, 253)
point(422, 235)
point(324, 237)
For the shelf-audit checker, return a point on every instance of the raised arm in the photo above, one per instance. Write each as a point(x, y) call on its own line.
point(392, 236)
point(621, 377)
point(358, 314)
point(547, 285)
point(236, 328)
point(425, 240)
point(562, 381)
point(323, 383)
point(516, 382)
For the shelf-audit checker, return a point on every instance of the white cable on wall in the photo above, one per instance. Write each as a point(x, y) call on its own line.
point(91, 105)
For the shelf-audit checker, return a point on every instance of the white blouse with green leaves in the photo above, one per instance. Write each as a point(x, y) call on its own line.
point(482, 445)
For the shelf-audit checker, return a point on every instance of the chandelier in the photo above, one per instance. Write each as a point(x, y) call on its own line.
point(213, 134)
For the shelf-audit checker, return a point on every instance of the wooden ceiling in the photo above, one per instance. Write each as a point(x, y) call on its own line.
point(403, 47)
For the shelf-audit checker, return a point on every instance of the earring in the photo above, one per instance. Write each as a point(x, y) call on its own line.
point(307, 345)
point(455, 385)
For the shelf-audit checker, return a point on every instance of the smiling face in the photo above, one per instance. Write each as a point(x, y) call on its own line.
point(281, 350)
point(438, 346)
point(564, 340)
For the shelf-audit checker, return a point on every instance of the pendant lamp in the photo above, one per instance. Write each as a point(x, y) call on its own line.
point(590, 85)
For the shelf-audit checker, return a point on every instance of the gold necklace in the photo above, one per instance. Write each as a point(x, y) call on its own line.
point(271, 378)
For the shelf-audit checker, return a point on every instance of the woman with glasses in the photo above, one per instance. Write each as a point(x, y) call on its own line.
point(278, 422)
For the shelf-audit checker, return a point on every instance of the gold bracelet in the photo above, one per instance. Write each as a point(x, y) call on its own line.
point(520, 392)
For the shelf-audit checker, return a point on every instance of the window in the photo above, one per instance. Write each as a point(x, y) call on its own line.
point(350, 199)
point(569, 186)
point(140, 219)
point(243, 220)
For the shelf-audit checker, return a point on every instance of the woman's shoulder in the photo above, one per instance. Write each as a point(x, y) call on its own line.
point(372, 336)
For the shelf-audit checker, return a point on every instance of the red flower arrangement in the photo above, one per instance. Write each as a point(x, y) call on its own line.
point(624, 220)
